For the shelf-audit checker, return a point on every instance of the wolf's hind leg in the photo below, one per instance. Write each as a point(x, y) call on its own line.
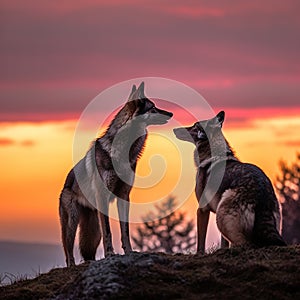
point(235, 218)
point(69, 218)
point(89, 234)
point(230, 227)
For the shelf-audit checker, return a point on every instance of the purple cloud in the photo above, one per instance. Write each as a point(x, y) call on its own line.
point(54, 60)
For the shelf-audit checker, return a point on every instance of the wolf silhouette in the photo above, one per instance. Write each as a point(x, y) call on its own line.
point(106, 172)
point(246, 207)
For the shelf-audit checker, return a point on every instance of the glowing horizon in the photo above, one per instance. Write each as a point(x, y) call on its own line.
point(38, 158)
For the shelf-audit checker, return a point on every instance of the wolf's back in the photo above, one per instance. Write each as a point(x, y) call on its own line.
point(257, 189)
point(70, 180)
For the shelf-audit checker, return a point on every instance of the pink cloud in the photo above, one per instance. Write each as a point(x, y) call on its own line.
point(241, 117)
point(38, 116)
point(194, 12)
point(292, 143)
point(6, 142)
point(28, 143)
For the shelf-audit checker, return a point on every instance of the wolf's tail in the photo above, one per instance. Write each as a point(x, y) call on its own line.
point(266, 233)
point(267, 216)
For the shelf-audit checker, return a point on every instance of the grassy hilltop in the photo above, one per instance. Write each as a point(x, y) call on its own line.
point(266, 273)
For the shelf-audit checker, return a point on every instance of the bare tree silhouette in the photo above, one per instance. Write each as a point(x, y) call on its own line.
point(165, 230)
point(288, 187)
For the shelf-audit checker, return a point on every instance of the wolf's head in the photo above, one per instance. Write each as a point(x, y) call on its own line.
point(144, 110)
point(201, 131)
point(204, 135)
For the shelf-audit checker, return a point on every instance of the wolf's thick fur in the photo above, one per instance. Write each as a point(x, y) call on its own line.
point(100, 178)
point(247, 210)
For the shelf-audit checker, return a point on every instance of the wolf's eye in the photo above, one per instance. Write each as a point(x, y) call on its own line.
point(201, 135)
point(151, 109)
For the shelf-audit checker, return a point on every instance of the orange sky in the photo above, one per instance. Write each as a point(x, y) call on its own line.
point(54, 58)
point(39, 155)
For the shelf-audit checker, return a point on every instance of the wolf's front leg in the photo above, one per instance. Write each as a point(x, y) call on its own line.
point(107, 240)
point(202, 222)
point(123, 210)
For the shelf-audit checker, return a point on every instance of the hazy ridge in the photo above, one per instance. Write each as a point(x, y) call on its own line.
point(22, 259)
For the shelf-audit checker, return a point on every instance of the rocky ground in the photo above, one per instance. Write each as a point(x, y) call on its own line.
point(267, 273)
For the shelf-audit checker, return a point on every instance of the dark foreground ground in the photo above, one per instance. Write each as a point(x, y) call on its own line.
point(267, 273)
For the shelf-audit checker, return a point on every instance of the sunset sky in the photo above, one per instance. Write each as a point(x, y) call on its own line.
point(56, 56)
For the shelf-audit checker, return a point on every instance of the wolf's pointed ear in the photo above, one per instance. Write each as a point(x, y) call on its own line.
point(140, 91)
point(221, 116)
point(219, 119)
point(131, 96)
point(133, 89)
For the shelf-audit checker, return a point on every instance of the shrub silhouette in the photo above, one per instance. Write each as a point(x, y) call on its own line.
point(288, 186)
point(165, 230)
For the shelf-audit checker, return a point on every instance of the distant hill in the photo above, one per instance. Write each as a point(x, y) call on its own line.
point(266, 273)
point(28, 259)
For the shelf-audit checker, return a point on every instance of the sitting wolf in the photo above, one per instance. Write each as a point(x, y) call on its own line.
point(247, 210)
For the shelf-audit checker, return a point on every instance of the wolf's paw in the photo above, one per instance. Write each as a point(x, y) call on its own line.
point(109, 253)
point(127, 250)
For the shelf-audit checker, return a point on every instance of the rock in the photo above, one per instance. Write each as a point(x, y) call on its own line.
point(106, 278)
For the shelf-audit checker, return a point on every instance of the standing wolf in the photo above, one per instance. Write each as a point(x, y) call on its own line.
point(106, 172)
point(247, 211)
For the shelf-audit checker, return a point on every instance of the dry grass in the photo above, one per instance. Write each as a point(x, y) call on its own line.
point(267, 273)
